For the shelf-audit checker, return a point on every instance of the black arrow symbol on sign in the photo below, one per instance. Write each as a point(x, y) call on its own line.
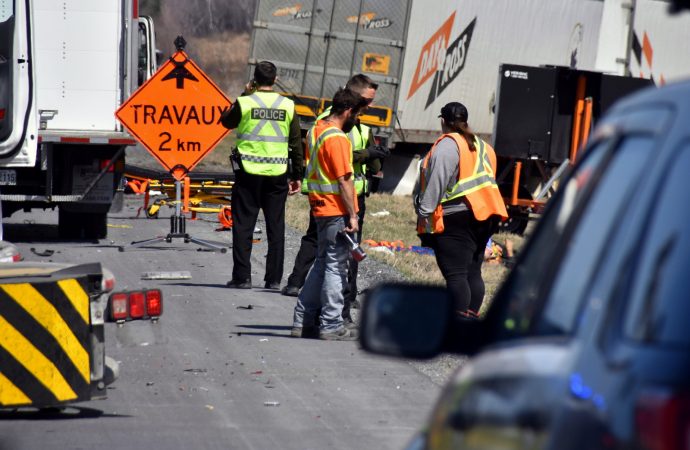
point(180, 73)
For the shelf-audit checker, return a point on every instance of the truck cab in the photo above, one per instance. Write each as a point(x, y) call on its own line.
point(65, 68)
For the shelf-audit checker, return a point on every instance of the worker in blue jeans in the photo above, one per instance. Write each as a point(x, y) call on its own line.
point(367, 158)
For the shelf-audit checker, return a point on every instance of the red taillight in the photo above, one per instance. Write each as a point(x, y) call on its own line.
point(663, 421)
point(2, 113)
point(154, 304)
point(118, 306)
point(17, 257)
point(136, 305)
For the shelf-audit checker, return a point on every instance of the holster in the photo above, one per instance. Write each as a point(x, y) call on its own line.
point(235, 160)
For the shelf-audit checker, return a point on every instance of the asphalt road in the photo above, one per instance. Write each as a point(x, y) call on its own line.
point(219, 370)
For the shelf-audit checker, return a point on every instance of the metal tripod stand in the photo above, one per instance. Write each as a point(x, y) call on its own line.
point(178, 229)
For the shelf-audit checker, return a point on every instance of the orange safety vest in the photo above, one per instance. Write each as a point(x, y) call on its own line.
point(476, 182)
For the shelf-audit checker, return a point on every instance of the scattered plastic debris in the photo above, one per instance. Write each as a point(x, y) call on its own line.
point(263, 340)
point(258, 372)
point(46, 252)
point(271, 403)
point(382, 213)
point(210, 407)
point(245, 307)
point(178, 275)
point(385, 250)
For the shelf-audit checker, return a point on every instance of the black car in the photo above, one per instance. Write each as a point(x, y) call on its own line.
point(587, 343)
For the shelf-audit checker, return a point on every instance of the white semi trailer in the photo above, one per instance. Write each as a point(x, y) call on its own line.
point(425, 54)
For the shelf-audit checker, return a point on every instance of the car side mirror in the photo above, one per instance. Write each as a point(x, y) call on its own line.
point(417, 321)
point(406, 320)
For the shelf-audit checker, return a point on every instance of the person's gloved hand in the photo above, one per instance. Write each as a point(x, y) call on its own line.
point(378, 152)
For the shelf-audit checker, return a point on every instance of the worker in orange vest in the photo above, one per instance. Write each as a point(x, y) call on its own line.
point(458, 205)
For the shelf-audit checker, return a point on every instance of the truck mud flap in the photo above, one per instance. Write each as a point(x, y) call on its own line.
point(44, 342)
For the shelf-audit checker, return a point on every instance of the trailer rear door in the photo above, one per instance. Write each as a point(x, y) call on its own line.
point(318, 44)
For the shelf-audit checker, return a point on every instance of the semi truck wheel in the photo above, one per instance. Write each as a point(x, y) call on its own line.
point(518, 217)
point(82, 225)
point(517, 222)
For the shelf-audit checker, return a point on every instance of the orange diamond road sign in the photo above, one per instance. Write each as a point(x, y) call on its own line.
point(176, 115)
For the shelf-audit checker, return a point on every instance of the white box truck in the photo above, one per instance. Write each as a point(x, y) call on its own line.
point(425, 54)
point(65, 67)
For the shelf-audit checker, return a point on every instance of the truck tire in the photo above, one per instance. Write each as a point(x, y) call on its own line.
point(518, 216)
point(82, 225)
point(518, 219)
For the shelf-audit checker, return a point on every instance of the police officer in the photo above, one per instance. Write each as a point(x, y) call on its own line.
point(367, 158)
point(268, 167)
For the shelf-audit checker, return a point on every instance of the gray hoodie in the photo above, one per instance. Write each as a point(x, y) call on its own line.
point(443, 175)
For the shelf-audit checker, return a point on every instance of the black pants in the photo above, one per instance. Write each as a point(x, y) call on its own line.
point(459, 254)
point(307, 254)
point(350, 290)
point(249, 194)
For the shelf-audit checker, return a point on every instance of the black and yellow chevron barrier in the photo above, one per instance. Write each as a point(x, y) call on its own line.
point(46, 333)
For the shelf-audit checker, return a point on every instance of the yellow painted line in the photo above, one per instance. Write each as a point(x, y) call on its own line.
point(40, 309)
point(76, 295)
point(112, 225)
point(11, 394)
point(28, 356)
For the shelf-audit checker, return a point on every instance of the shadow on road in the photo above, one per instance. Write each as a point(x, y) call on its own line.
point(57, 413)
point(267, 327)
point(36, 232)
point(264, 333)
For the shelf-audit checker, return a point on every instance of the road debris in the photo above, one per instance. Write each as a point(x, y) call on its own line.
point(271, 403)
point(382, 213)
point(46, 252)
point(177, 275)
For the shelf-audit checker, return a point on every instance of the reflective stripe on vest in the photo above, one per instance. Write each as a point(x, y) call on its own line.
point(359, 139)
point(482, 176)
point(316, 180)
point(477, 185)
point(263, 132)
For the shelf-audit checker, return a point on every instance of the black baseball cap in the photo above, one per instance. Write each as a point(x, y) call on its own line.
point(454, 111)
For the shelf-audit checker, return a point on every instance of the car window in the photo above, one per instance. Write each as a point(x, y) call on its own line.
point(659, 308)
point(589, 241)
point(525, 285)
point(548, 287)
